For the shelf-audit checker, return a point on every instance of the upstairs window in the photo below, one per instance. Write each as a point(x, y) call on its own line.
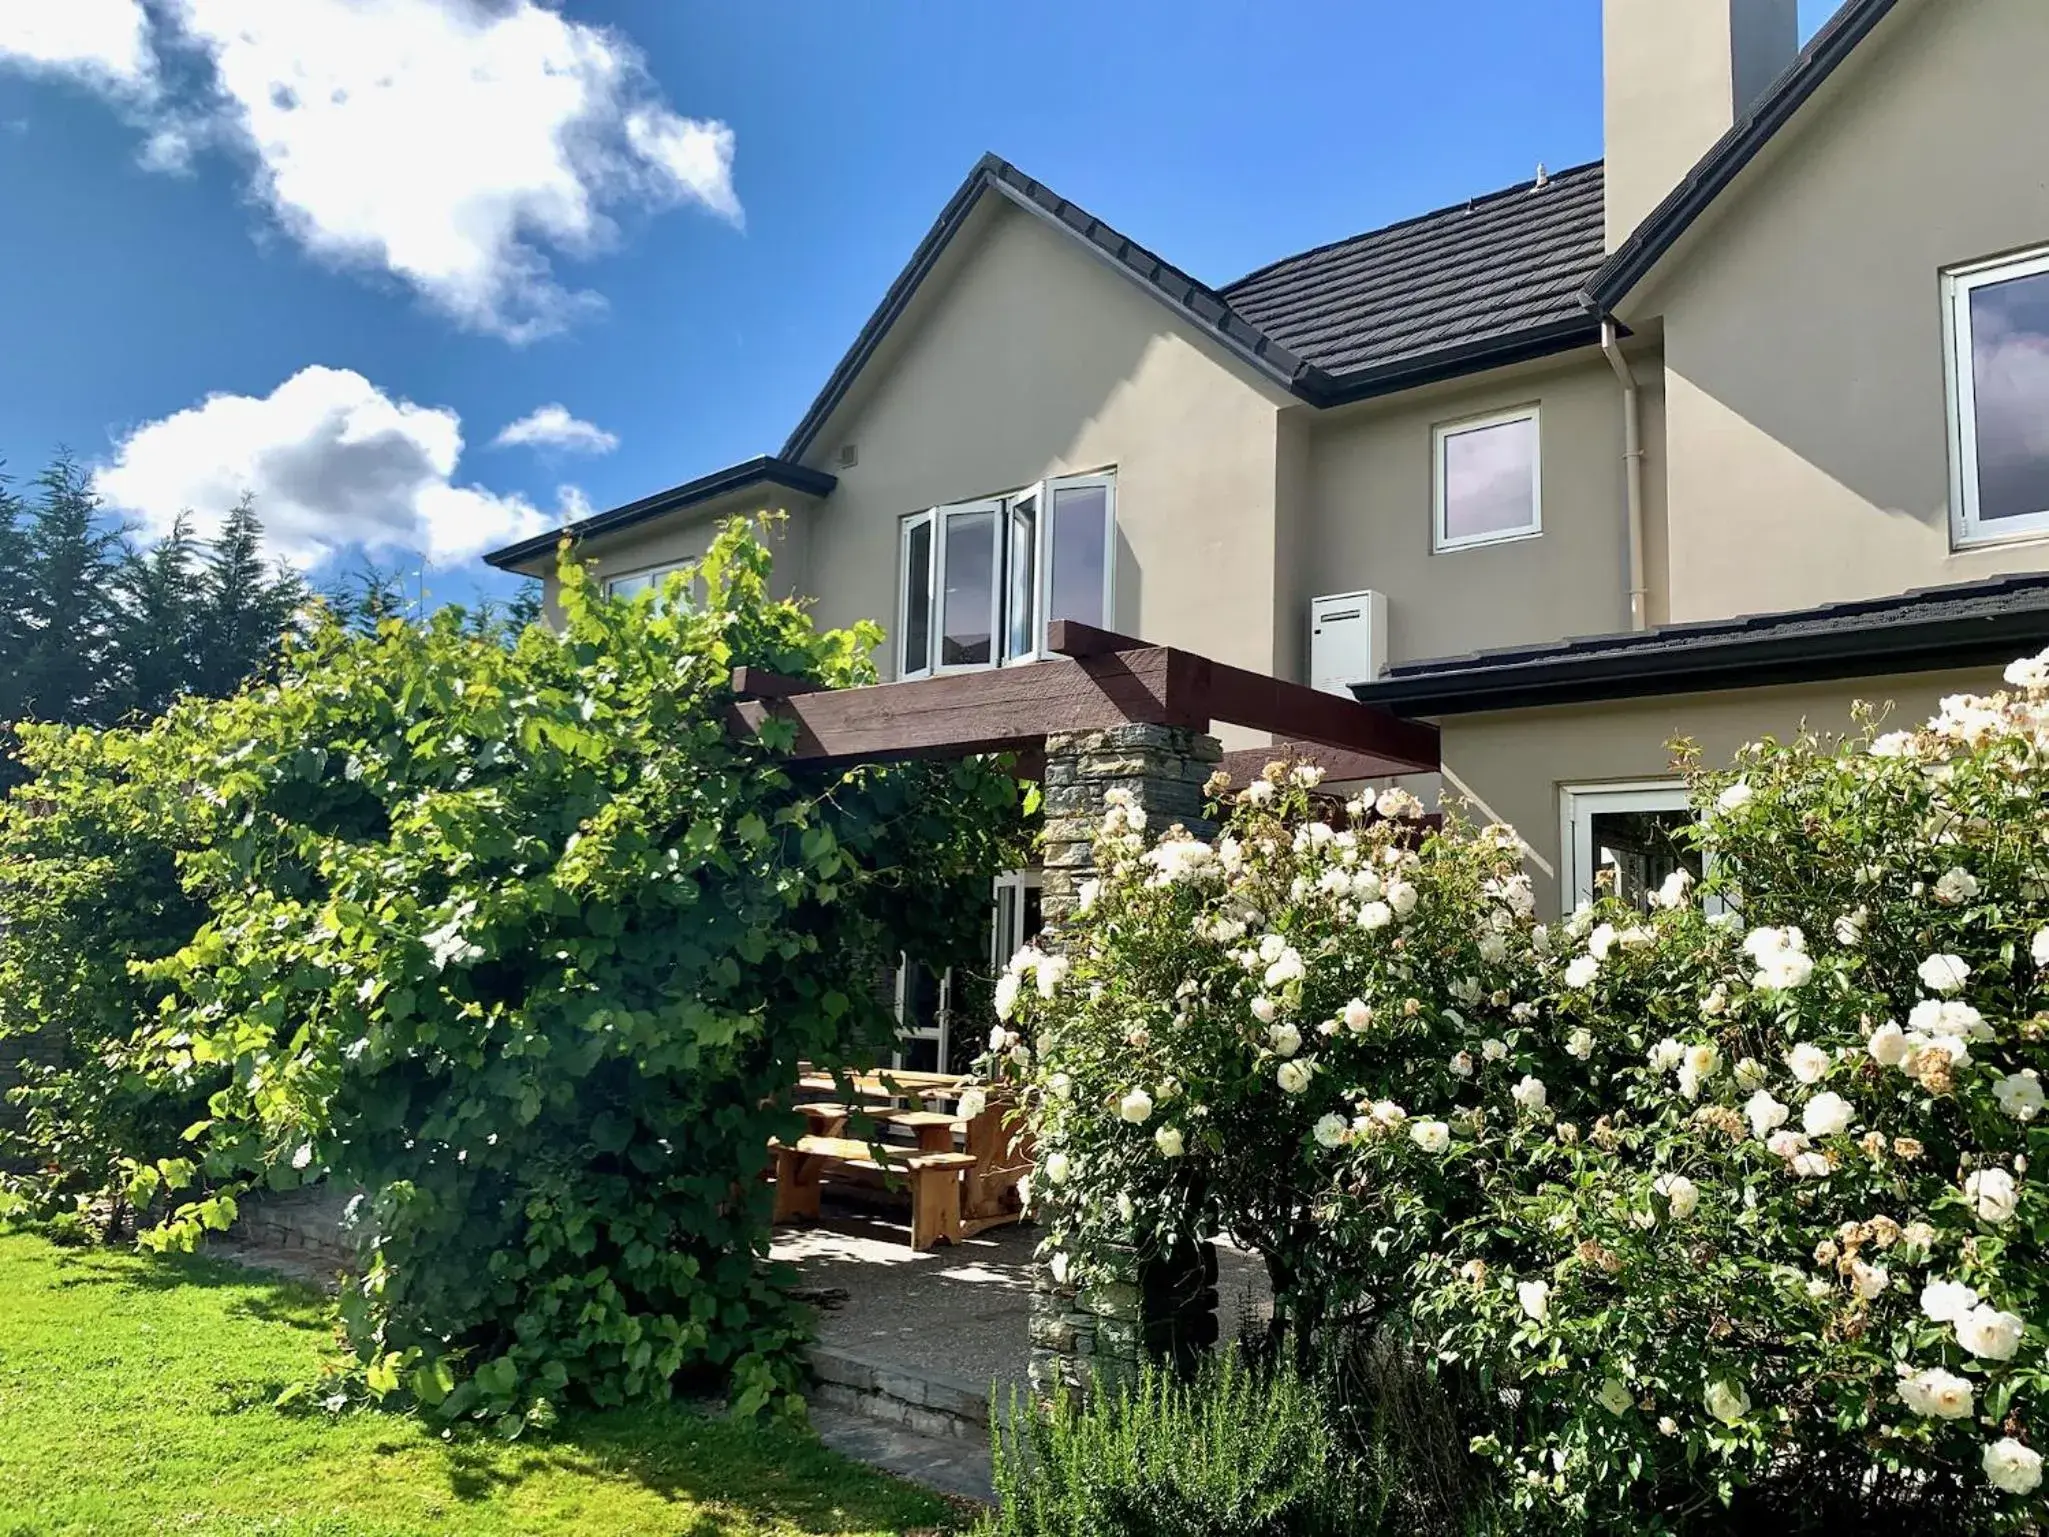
point(634, 583)
point(1488, 479)
point(980, 581)
point(1998, 333)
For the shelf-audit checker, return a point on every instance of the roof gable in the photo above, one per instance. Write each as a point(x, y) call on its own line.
point(1666, 224)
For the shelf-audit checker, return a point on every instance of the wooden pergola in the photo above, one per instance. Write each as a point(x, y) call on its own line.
point(1094, 681)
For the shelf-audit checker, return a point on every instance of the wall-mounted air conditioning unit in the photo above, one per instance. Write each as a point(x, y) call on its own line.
point(1347, 640)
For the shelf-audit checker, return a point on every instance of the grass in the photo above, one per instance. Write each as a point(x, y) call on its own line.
point(135, 1397)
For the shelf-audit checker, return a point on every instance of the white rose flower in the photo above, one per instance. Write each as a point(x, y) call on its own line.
point(1332, 1130)
point(1493, 1050)
point(1085, 897)
point(1058, 1166)
point(1388, 1113)
point(1264, 1009)
point(1581, 970)
point(1052, 972)
point(1717, 1000)
point(1888, 1045)
point(1293, 1077)
point(1493, 948)
point(1288, 968)
point(1735, 797)
point(2020, 1094)
point(1786, 1144)
point(1580, 1044)
point(1765, 1114)
point(1727, 1401)
point(1462, 1064)
point(1614, 1397)
point(1869, 1280)
point(1808, 1062)
point(2012, 1467)
point(1007, 988)
point(1601, 942)
point(1751, 1073)
point(1947, 1301)
point(1937, 1394)
point(1258, 793)
point(1136, 1107)
point(1530, 1093)
point(1681, 1195)
point(1666, 1055)
point(1060, 1086)
point(1955, 887)
point(1672, 893)
point(1285, 1039)
point(1020, 1055)
point(1990, 1334)
point(2038, 947)
point(1535, 1297)
point(1992, 1195)
point(1358, 1017)
point(1401, 896)
point(2029, 672)
point(1307, 775)
point(1168, 1140)
point(1375, 915)
point(1849, 928)
point(1430, 1136)
point(1827, 1115)
point(1944, 973)
point(1703, 1060)
point(1810, 1166)
point(971, 1104)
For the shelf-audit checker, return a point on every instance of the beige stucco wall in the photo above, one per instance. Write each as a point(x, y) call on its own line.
point(1369, 517)
point(1807, 423)
point(1033, 359)
point(1514, 763)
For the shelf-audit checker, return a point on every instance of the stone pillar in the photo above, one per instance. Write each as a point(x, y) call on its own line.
point(1159, 1305)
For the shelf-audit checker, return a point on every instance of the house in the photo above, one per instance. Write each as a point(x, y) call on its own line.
point(1744, 423)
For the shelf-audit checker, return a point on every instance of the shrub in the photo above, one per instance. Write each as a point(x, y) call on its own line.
point(1723, 1205)
point(1230, 1452)
point(525, 942)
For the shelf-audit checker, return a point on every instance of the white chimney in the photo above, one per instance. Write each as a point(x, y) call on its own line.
point(1678, 74)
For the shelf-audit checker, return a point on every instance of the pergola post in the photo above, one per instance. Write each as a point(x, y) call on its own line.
point(1159, 1305)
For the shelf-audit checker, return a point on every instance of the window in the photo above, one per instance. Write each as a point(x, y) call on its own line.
point(1489, 480)
point(1017, 919)
point(1998, 333)
point(924, 1012)
point(634, 583)
point(980, 581)
point(1628, 830)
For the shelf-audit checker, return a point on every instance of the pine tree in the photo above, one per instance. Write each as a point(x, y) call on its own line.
point(14, 590)
point(157, 648)
point(244, 605)
point(70, 607)
point(368, 595)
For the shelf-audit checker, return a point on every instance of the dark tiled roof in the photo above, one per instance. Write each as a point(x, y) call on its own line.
point(1723, 162)
point(764, 471)
point(1932, 627)
point(1494, 269)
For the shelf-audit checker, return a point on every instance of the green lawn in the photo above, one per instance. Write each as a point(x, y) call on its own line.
point(135, 1397)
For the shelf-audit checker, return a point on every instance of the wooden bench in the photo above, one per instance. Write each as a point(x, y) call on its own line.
point(934, 1178)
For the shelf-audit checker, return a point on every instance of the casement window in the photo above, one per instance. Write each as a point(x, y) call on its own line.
point(979, 582)
point(1488, 480)
point(632, 583)
point(1997, 329)
point(924, 1013)
point(1630, 831)
point(1017, 919)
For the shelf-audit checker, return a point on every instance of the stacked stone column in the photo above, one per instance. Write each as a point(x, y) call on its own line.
point(1158, 1305)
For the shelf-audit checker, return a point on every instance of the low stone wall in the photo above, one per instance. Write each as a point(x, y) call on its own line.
point(315, 1221)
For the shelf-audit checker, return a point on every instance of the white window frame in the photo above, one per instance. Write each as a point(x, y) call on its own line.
point(1958, 284)
point(1048, 491)
point(1442, 543)
point(999, 528)
point(1043, 494)
point(654, 574)
point(904, 578)
point(1578, 804)
point(941, 1031)
point(1006, 939)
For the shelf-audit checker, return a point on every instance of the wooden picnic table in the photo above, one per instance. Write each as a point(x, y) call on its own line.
point(990, 1196)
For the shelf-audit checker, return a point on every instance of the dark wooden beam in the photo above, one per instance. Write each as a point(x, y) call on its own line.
point(759, 683)
point(1070, 637)
point(1001, 709)
point(1299, 713)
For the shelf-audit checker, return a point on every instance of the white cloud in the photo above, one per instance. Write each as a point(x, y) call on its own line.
point(455, 144)
point(552, 426)
point(332, 461)
point(105, 41)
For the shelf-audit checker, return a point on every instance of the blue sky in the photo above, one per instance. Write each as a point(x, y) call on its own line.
point(179, 232)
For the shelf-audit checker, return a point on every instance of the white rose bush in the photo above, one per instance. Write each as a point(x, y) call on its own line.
point(1734, 1201)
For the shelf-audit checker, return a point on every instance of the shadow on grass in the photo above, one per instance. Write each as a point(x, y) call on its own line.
point(266, 1298)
